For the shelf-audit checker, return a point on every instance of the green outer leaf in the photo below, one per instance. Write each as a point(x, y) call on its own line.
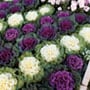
point(86, 54)
point(77, 79)
point(4, 26)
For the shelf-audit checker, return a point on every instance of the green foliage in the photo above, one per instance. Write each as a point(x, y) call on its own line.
point(86, 54)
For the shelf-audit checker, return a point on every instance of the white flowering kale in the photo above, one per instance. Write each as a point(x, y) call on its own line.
point(30, 67)
point(50, 52)
point(15, 19)
point(71, 43)
point(85, 32)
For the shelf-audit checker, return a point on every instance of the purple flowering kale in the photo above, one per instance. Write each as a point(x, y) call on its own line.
point(29, 27)
point(62, 80)
point(16, 1)
point(5, 56)
point(47, 32)
point(15, 8)
point(11, 34)
point(28, 2)
point(66, 26)
point(80, 18)
point(61, 14)
point(2, 14)
point(28, 43)
point(46, 19)
point(4, 5)
point(74, 62)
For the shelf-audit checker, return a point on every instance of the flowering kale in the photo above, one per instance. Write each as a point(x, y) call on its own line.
point(28, 43)
point(16, 1)
point(81, 18)
point(11, 34)
point(66, 26)
point(4, 5)
point(46, 19)
point(15, 8)
point(47, 32)
point(74, 62)
point(61, 14)
point(5, 56)
point(29, 27)
point(29, 2)
point(2, 14)
point(62, 80)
